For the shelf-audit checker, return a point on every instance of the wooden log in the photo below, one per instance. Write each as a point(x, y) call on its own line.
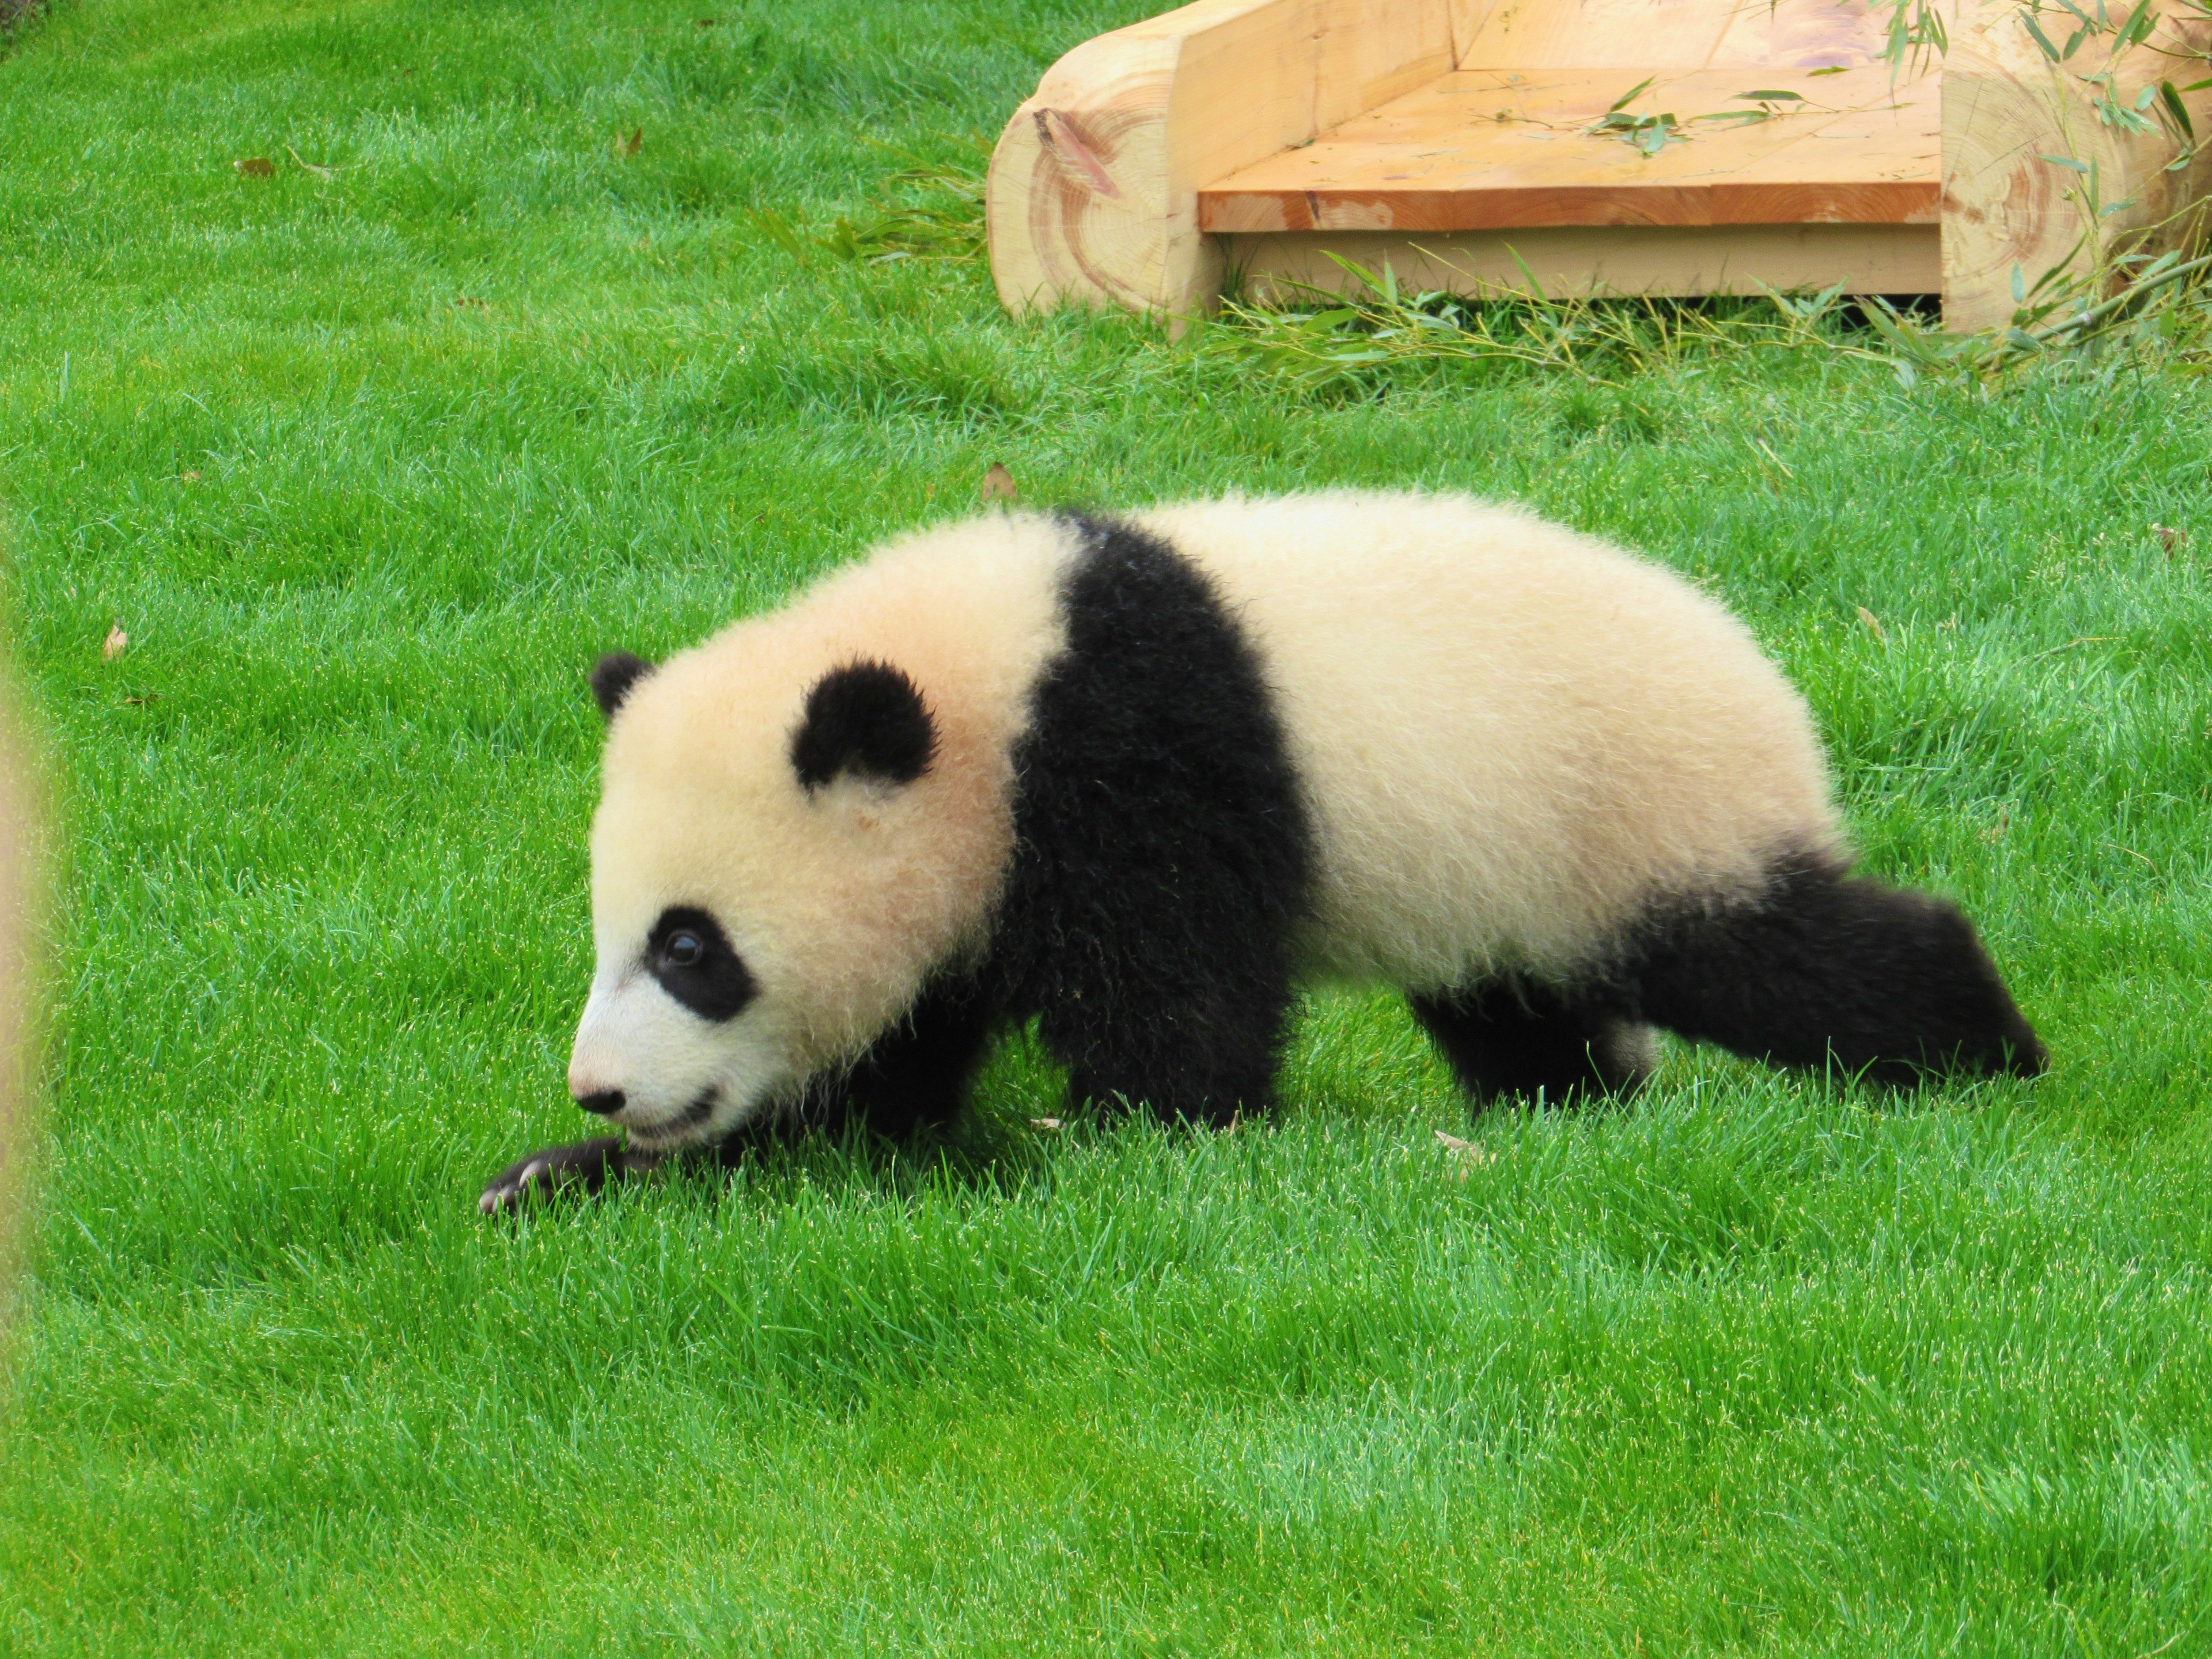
point(1093, 190)
point(2012, 120)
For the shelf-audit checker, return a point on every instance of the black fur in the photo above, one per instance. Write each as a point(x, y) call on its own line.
point(1162, 858)
point(1529, 1040)
point(1826, 969)
point(866, 718)
point(585, 1166)
point(1822, 969)
point(612, 676)
point(915, 1076)
point(693, 959)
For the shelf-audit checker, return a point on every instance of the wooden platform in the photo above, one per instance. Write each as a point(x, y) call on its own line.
point(1495, 149)
point(1462, 140)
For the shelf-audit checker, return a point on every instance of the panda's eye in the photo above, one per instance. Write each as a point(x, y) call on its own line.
point(687, 950)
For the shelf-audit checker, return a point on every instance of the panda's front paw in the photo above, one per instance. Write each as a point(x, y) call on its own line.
point(588, 1164)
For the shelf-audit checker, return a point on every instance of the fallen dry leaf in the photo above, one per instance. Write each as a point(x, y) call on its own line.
point(1051, 1126)
point(189, 477)
point(703, 23)
point(471, 300)
point(998, 485)
point(255, 167)
point(2170, 540)
point(627, 147)
point(1996, 831)
point(1873, 624)
point(145, 702)
point(1465, 1151)
point(115, 644)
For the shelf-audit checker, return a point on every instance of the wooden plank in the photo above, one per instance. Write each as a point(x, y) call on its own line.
point(1662, 260)
point(1497, 149)
point(1648, 35)
point(1373, 50)
point(1468, 18)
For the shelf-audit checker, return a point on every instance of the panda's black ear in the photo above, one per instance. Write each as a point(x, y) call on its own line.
point(612, 676)
point(868, 718)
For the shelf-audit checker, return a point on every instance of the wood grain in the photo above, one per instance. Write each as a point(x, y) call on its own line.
point(1501, 149)
point(1093, 190)
point(2009, 211)
point(1577, 261)
point(1145, 151)
point(1657, 35)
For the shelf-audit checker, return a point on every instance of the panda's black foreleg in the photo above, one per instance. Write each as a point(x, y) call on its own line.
point(1829, 969)
point(582, 1166)
point(1194, 1054)
point(1528, 1041)
point(916, 1076)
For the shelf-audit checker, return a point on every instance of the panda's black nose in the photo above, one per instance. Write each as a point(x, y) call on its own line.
point(603, 1102)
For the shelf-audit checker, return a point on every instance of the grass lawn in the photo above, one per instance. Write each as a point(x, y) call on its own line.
point(370, 463)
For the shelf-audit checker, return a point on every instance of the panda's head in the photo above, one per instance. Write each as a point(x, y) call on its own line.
point(778, 862)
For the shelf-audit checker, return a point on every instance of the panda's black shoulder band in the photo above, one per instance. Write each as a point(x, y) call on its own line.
point(1164, 853)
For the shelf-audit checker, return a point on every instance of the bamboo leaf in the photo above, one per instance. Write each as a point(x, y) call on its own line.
point(2042, 40)
point(2177, 110)
point(1630, 96)
point(2136, 29)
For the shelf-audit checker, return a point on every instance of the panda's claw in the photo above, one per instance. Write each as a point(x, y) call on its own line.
point(587, 1164)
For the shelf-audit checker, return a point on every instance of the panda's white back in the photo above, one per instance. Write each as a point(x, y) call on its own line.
point(1513, 736)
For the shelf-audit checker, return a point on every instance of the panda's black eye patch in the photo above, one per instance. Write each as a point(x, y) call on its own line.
point(692, 958)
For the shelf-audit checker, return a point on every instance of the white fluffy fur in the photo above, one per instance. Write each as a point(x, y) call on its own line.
point(1513, 737)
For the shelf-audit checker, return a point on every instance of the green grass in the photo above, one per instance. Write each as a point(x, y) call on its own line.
point(371, 464)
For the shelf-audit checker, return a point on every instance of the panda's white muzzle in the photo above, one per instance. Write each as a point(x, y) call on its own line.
point(669, 1077)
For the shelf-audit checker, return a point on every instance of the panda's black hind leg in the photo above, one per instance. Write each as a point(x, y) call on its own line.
point(1509, 1040)
point(1826, 969)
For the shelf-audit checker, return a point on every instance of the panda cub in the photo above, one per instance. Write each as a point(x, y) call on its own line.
point(1141, 777)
